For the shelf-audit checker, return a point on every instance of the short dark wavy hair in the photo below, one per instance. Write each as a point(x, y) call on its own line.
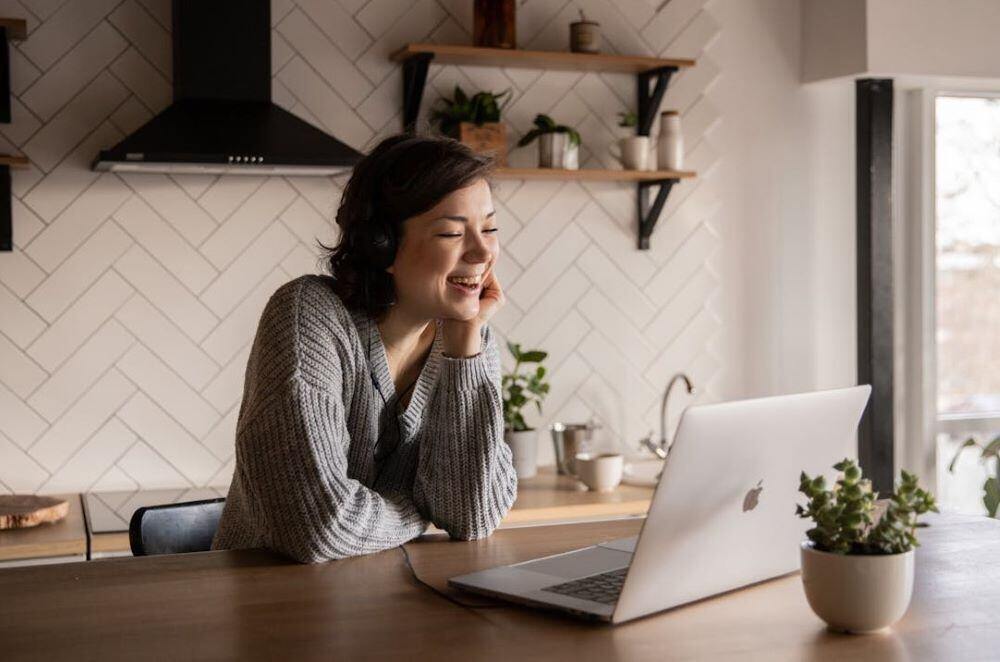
point(404, 176)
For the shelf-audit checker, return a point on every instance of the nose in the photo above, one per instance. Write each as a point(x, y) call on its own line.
point(477, 252)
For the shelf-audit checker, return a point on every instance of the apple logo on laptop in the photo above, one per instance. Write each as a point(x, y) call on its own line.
point(752, 498)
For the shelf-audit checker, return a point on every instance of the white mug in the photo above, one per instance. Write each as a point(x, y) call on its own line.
point(633, 152)
point(601, 472)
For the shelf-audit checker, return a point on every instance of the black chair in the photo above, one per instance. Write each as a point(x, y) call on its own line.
point(175, 528)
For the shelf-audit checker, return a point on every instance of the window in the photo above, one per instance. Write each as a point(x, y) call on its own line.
point(967, 303)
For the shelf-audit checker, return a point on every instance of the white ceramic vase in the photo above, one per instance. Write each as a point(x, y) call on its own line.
point(524, 451)
point(556, 151)
point(855, 592)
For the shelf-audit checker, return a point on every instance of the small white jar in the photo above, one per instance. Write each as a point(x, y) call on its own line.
point(670, 145)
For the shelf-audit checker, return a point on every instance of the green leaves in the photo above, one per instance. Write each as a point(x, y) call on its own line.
point(481, 108)
point(844, 515)
point(520, 389)
point(991, 488)
point(545, 124)
point(628, 119)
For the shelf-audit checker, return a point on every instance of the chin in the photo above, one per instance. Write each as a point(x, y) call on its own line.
point(463, 313)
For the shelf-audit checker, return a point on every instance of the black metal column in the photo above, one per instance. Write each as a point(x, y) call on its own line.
point(6, 215)
point(874, 277)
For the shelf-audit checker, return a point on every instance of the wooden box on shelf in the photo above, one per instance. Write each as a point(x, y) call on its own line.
point(488, 138)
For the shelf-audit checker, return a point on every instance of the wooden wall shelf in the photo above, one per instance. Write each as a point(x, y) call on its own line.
point(555, 60)
point(592, 174)
point(649, 71)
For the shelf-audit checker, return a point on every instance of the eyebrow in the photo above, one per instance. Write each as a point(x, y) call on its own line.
point(462, 219)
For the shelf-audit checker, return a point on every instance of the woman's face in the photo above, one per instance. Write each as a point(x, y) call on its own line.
point(445, 253)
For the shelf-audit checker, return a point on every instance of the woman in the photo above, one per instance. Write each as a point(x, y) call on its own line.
point(372, 398)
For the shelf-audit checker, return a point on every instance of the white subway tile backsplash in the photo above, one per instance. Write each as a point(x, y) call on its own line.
point(19, 373)
point(77, 374)
point(79, 271)
point(166, 293)
point(168, 342)
point(60, 83)
point(81, 319)
point(84, 418)
point(245, 272)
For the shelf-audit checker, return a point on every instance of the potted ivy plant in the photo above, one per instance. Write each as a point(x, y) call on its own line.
point(474, 121)
point(633, 150)
point(558, 144)
point(991, 488)
point(857, 569)
point(519, 390)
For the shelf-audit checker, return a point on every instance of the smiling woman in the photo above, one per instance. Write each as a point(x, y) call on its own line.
point(372, 398)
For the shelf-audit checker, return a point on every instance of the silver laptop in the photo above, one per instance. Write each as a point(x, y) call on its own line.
point(722, 515)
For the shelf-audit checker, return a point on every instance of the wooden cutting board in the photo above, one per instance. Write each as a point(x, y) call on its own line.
point(20, 511)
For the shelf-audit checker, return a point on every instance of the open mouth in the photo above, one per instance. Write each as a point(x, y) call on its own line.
point(465, 284)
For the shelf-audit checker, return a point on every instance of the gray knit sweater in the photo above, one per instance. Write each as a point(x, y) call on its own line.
point(327, 467)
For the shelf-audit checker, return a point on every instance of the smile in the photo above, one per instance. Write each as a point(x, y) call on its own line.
point(466, 285)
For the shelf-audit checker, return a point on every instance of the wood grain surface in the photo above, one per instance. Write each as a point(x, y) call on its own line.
point(253, 605)
point(22, 511)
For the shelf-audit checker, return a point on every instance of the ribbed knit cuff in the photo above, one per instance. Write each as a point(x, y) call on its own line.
point(466, 374)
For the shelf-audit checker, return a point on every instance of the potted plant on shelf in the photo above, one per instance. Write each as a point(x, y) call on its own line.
point(633, 150)
point(991, 488)
point(858, 572)
point(558, 145)
point(474, 121)
point(519, 390)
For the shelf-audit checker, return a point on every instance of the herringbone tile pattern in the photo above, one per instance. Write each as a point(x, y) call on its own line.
point(128, 306)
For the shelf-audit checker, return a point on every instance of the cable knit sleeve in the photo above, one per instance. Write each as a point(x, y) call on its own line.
point(465, 481)
point(292, 455)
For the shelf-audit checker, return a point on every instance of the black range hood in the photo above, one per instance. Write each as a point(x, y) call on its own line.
point(222, 119)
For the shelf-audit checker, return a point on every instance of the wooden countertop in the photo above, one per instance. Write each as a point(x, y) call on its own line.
point(545, 498)
point(252, 604)
point(67, 537)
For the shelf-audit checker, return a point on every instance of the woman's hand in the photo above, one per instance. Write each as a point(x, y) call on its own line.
point(462, 338)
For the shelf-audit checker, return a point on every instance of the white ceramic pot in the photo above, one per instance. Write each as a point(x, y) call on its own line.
point(857, 593)
point(524, 449)
point(555, 151)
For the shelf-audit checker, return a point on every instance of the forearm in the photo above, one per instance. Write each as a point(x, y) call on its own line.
point(465, 481)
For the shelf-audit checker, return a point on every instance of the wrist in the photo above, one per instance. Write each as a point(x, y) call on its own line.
point(461, 339)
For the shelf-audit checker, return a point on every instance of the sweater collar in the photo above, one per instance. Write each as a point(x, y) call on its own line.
point(378, 364)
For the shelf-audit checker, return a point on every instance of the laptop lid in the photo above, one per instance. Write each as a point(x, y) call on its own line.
point(723, 513)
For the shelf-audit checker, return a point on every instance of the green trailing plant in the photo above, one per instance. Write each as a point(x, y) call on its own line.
point(520, 389)
point(991, 488)
point(628, 119)
point(545, 124)
point(480, 108)
point(844, 515)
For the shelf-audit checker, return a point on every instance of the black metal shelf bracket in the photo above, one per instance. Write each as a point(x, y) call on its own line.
point(649, 101)
point(6, 215)
point(414, 79)
point(4, 77)
point(650, 214)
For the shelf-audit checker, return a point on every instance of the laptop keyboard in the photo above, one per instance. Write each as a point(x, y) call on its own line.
point(603, 588)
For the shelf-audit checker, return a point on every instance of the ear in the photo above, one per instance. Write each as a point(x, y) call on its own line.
point(391, 269)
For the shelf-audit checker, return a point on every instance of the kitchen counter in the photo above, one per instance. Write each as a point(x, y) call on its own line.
point(544, 499)
point(50, 542)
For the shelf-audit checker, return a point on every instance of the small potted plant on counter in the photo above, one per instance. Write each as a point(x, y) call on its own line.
point(520, 390)
point(558, 145)
point(991, 488)
point(474, 121)
point(858, 572)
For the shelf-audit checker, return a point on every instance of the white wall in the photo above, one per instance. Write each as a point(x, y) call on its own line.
point(900, 37)
point(130, 302)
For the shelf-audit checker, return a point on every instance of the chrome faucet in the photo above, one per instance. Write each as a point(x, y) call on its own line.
point(663, 447)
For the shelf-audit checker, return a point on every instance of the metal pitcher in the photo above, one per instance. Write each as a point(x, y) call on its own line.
point(570, 439)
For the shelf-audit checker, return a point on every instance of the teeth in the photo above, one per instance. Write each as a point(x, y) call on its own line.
point(471, 282)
